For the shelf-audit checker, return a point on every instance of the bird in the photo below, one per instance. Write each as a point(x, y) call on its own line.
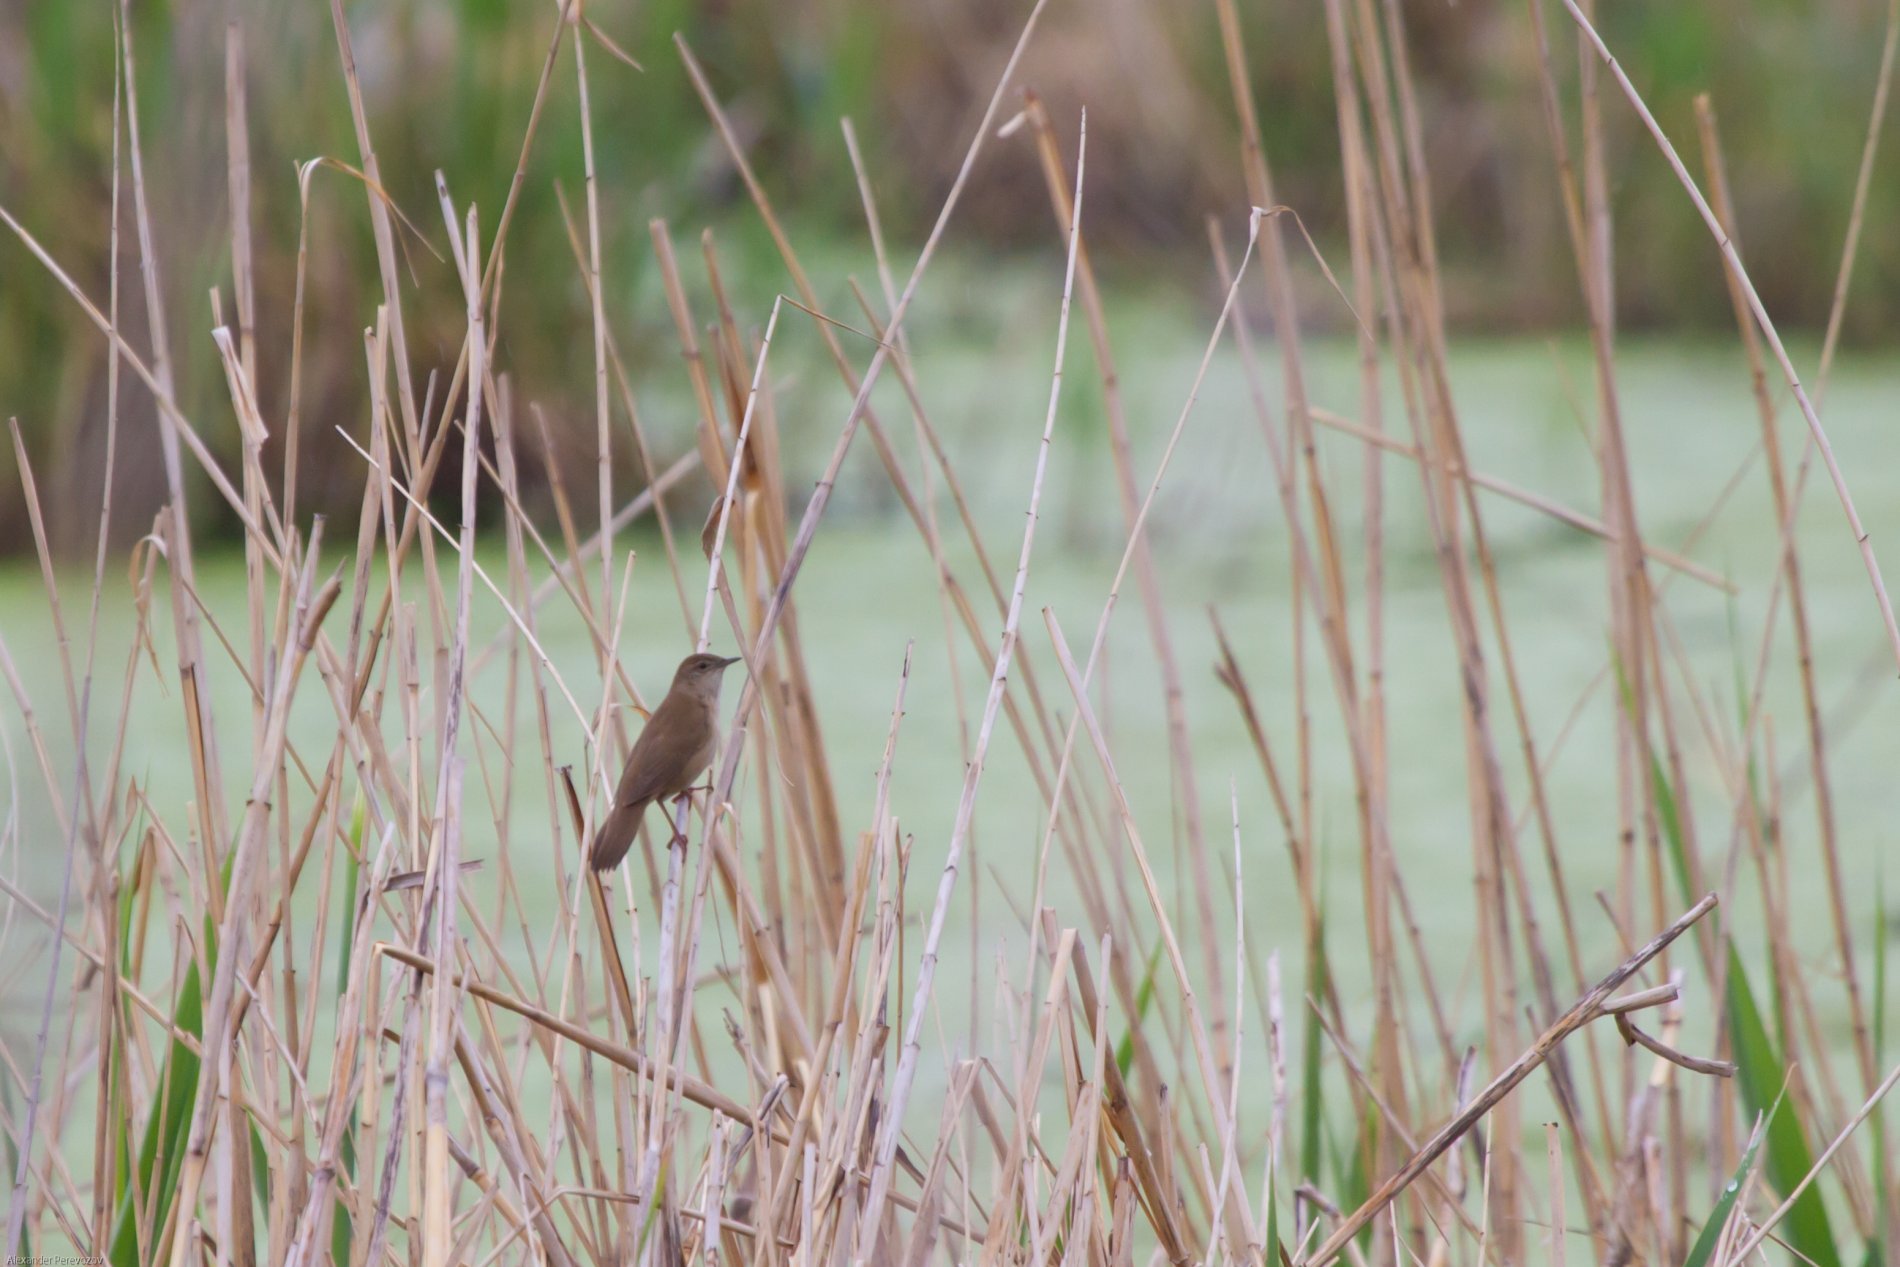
point(674, 749)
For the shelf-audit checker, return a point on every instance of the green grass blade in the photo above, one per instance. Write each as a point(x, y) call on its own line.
point(1718, 1218)
point(1358, 1185)
point(1274, 1249)
point(1669, 814)
point(122, 1124)
point(1761, 1076)
point(1144, 995)
point(162, 1144)
point(260, 1175)
point(1352, 1180)
point(1318, 979)
point(1310, 1091)
point(342, 1230)
point(653, 1208)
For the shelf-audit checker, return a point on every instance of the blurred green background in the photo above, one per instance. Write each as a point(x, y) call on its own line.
point(448, 84)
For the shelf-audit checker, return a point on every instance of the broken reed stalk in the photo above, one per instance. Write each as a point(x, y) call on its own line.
point(1581, 1013)
point(698, 1092)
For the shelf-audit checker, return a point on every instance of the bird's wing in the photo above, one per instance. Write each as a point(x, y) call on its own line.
point(647, 775)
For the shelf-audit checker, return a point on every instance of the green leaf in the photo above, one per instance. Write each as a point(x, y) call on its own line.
point(342, 1231)
point(1317, 980)
point(1273, 1217)
point(1355, 1181)
point(1718, 1218)
point(162, 1144)
point(122, 1124)
point(1761, 1076)
point(260, 1173)
point(653, 1207)
point(1670, 815)
point(1144, 995)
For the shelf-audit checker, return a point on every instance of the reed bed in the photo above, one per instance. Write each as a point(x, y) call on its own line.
point(319, 1014)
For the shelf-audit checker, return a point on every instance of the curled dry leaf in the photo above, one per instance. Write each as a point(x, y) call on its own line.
point(709, 535)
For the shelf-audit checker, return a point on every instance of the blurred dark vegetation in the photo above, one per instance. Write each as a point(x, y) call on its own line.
point(449, 84)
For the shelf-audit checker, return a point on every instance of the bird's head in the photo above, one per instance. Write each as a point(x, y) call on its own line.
point(700, 674)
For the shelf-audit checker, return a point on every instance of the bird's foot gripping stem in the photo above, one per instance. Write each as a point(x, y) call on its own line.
point(677, 819)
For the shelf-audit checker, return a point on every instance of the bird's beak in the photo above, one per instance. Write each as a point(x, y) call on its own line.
point(727, 662)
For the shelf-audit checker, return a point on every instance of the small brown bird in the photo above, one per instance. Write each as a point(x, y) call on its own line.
point(674, 750)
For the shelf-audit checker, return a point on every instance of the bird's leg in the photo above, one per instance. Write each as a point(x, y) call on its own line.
point(681, 804)
point(687, 795)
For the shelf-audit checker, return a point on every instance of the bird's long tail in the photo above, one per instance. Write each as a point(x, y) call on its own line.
point(615, 835)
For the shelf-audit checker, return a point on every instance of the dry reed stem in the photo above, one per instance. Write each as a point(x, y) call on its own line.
point(1146, 579)
point(1195, 1026)
point(1767, 325)
point(815, 508)
point(81, 803)
point(311, 609)
point(1763, 1229)
point(1789, 577)
point(966, 802)
point(1580, 1014)
point(1523, 497)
